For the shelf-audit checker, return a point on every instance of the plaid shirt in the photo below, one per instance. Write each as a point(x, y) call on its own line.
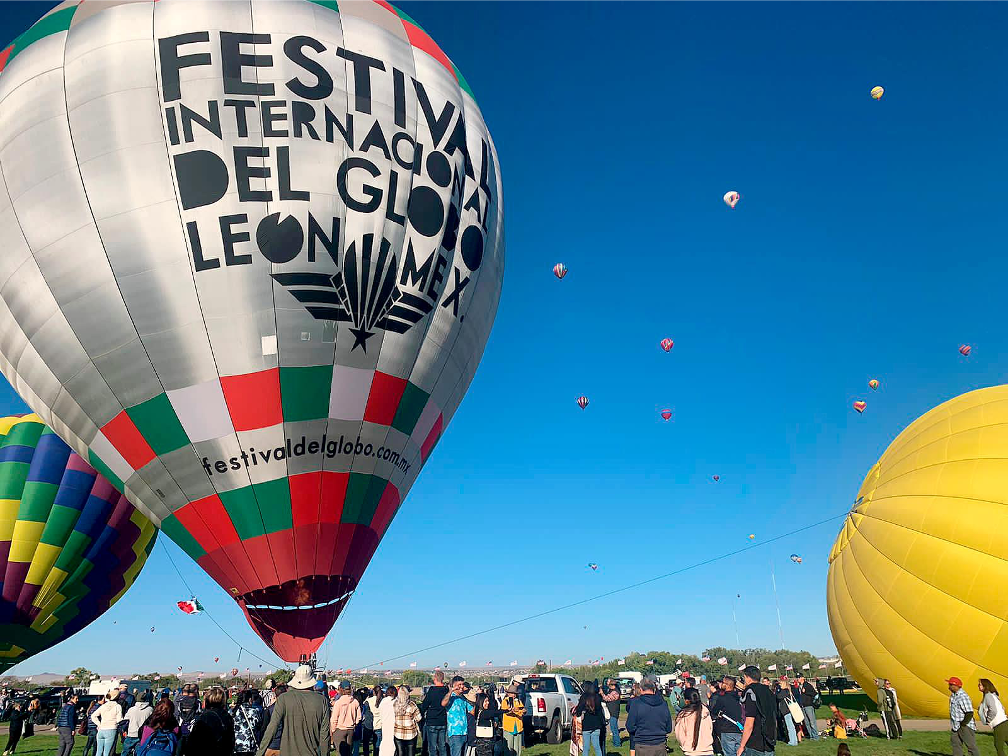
point(959, 706)
point(405, 727)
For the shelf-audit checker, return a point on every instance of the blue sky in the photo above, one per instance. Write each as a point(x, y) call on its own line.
point(868, 244)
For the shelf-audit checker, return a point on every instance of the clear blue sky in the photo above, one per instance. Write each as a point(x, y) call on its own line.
point(869, 243)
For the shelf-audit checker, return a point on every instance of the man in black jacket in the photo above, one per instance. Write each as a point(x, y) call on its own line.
point(726, 711)
point(435, 718)
point(806, 700)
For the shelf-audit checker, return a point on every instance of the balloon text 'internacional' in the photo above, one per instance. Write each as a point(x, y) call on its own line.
point(252, 253)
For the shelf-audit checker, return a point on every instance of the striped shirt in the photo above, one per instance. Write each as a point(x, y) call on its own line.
point(959, 706)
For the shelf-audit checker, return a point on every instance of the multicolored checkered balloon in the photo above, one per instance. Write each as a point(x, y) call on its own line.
point(251, 255)
point(70, 544)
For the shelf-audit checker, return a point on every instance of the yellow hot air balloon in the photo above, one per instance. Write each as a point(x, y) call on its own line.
point(917, 576)
point(877, 93)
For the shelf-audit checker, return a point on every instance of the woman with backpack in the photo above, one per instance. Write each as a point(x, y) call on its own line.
point(249, 722)
point(160, 733)
point(372, 721)
point(213, 732)
point(992, 713)
point(694, 728)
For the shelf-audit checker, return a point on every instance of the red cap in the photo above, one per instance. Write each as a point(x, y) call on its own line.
point(954, 681)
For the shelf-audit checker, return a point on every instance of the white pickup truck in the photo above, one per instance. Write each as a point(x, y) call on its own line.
point(548, 703)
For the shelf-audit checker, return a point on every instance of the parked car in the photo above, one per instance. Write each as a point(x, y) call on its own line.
point(839, 684)
point(549, 700)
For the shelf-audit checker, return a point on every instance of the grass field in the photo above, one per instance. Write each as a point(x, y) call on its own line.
point(912, 744)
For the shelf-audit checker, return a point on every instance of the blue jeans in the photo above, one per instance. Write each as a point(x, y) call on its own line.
point(434, 736)
point(730, 741)
point(614, 727)
point(456, 744)
point(792, 736)
point(128, 745)
point(810, 723)
point(106, 741)
point(753, 752)
point(592, 739)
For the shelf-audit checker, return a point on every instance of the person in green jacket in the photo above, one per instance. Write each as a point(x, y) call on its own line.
point(885, 708)
point(305, 718)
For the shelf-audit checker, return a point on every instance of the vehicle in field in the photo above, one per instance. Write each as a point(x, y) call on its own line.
point(548, 703)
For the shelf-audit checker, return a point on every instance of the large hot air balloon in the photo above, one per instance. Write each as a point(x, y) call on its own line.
point(252, 253)
point(915, 591)
point(70, 544)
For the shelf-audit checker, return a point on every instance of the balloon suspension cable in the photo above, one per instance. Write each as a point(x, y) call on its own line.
point(207, 613)
point(616, 591)
point(780, 627)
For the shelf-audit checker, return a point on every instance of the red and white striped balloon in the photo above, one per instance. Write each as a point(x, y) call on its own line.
point(582, 401)
point(560, 270)
point(666, 344)
point(666, 414)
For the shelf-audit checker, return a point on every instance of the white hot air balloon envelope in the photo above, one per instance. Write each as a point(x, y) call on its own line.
point(250, 256)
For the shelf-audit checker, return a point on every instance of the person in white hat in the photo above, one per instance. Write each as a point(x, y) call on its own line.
point(305, 718)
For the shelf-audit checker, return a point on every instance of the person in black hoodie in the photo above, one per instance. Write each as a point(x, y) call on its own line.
point(435, 720)
point(649, 721)
point(726, 711)
point(593, 719)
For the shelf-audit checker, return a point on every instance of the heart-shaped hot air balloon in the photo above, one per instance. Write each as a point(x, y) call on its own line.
point(860, 406)
point(965, 349)
point(251, 255)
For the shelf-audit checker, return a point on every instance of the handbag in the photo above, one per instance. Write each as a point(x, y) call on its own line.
point(484, 730)
point(796, 711)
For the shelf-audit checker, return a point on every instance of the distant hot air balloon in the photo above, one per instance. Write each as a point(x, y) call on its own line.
point(965, 349)
point(666, 414)
point(180, 669)
point(752, 536)
point(796, 558)
point(874, 384)
point(860, 406)
point(582, 401)
point(716, 478)
point(216, 659)
point(70, 544)
point(666, 344)
point(234, 671)
point(262, 368)
point(152, 629)
point(877, 93)
point(593, 566)
point(560, 270)
point(731, 199)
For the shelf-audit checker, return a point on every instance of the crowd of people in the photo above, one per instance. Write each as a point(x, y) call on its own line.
point(748, 716)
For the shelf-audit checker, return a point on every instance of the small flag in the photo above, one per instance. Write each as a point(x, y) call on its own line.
point(540, 662)
point(838, 664)
point(461, 664)
point(192, 606)
point(649, 662)
point(364, 671)
point(568, 662)
point(705, 658)
point(722, 661)
point(822, 666)
point(789, 668)
point(621, 662)
point(678, 662)
point(489, 663)
point(412, 664)
point(741, 667)
point(806, 666)
point(772, 668)
point(514, 663)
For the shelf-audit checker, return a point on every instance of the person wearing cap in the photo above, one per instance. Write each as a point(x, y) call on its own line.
point(346, 714)
point(305, 718)
point(961, 718)
point(512, 720)
point(611, 699)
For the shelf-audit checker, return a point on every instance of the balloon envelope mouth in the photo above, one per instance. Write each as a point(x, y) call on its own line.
point(294, 617)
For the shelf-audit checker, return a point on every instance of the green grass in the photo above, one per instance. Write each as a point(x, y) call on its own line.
point(43, 744)
point(912, 744)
